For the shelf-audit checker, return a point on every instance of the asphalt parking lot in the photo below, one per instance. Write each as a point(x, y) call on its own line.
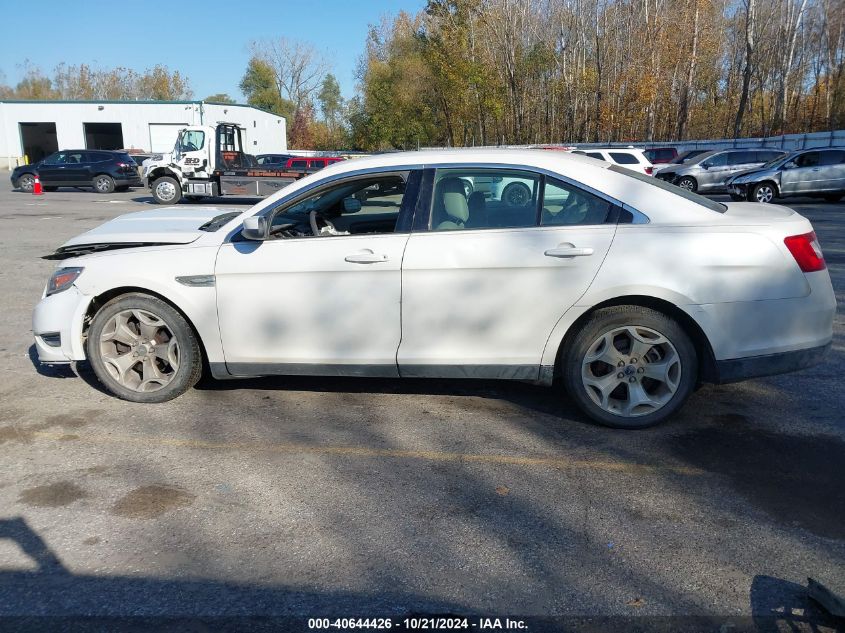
point(313, 496)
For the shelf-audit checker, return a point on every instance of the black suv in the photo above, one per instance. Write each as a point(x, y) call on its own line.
point(105, 171)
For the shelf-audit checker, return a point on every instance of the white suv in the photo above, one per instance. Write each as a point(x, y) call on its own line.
point(627, 157)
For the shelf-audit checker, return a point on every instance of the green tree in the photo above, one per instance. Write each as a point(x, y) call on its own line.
point(260, 89)
point(219, 97)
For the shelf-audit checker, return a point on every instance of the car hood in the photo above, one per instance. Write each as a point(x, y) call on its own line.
point(171, 225)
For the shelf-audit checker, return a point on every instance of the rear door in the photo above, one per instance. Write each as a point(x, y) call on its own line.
point(78, 168)
point(832, 166)
point(739, 161)
point(485, 279)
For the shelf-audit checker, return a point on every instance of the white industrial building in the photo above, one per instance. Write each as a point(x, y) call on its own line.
point(30, 130)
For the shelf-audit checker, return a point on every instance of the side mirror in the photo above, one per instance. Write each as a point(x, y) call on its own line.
point(255, 228)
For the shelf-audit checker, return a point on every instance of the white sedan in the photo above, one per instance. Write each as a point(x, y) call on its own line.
point(624, 291)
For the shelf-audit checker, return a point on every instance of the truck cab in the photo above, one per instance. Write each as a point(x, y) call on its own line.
point(210, 161)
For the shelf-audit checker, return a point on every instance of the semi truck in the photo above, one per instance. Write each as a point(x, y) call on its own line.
point(210, 162)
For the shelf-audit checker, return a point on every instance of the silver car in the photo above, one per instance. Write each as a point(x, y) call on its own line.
point(815, 172)
point(708, 172)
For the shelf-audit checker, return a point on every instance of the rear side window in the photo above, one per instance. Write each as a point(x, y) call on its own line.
point(741, 158)
point(484, 199)
point(624, 158)
point(661, 184)
point(594, 155)
point(299, 164)
point(567, 205)
point(832, 157)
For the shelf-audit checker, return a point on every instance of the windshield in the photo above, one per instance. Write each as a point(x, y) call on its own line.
point(718, 207)
point(686, 157)
point(190, 141)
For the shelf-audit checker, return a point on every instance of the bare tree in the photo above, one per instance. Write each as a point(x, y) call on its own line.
point(748, 70)
point(298, 66)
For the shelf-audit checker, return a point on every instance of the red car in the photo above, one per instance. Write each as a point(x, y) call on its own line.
point(310, 163)
point(660, 155)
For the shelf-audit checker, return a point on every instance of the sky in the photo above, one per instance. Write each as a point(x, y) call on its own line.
point(208, 41)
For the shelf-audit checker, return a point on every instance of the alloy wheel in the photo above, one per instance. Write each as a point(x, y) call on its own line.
point(764, 193)
point(631, 371)
point(102, 184)
point(139, 350)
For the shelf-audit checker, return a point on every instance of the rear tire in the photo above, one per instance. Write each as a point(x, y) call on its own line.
point(688, 183)
point(516, 194)
point(103, 184)
point(143, 350)
point(629, 367)
point(166, 190)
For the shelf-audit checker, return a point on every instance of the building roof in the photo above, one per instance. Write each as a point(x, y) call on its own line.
point(141, 102)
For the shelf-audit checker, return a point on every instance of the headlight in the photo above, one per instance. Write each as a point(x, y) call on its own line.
point(62, 279)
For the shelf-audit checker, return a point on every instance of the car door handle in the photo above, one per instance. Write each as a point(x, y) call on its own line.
point(565, 251)
point(365, 257)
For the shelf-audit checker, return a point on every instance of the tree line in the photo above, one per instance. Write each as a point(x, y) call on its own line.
point(481, 72)
point(84, 83)
point(488, 72)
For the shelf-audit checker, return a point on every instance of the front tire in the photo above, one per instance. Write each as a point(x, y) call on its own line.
point(166, 190)
point(143, 350)
point(688, 183)
point(26, 183)
point(103, 184)
point(629, 367)
point(763, 193)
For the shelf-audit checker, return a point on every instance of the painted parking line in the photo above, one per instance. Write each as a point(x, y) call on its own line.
point(550, 461)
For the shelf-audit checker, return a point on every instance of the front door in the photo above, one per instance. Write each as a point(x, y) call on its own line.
point(322, 295)
point(801, 174)
point(484, 286)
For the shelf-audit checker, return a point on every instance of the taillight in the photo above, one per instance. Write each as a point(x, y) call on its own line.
point(122, 165)
point(806, 251)
point(649, 171)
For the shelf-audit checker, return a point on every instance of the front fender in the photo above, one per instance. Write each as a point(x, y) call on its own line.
point(155, 271)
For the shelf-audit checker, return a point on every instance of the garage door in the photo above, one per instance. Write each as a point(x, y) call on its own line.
point(163, 136)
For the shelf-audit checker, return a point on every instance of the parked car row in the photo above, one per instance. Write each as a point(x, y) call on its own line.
point(709, 172)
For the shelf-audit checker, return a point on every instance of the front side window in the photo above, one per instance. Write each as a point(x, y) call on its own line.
point(299, 164)
point(484, 198)
point(192, 140)
point(624, 158)
point(718, 160)
point(357, 206)
point(810, 159)
point(742, 158)
point(567, 205)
